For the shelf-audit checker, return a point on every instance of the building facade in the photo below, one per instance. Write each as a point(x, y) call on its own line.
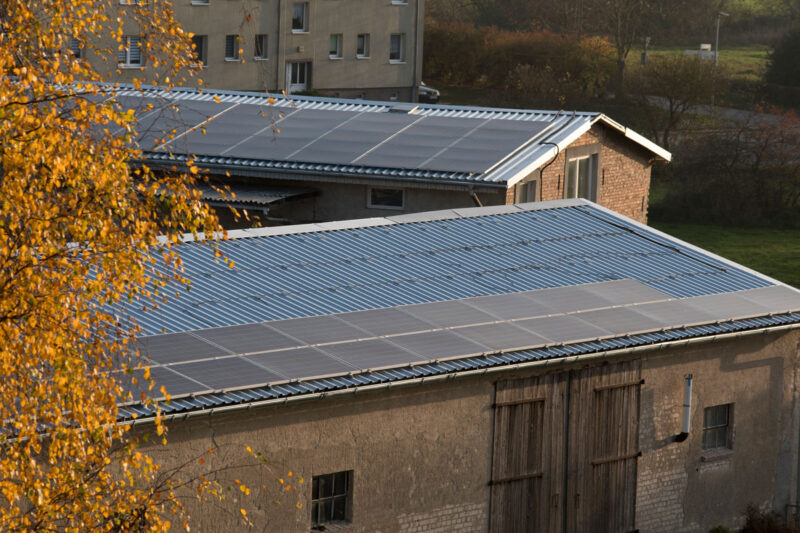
point(348, 48)
point(548, 366)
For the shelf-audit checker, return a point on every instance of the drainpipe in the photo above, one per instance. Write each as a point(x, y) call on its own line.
point(687, 410)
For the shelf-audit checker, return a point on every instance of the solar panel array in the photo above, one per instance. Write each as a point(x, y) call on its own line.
point(327, 272)
point(284, 350)
point(366, 138)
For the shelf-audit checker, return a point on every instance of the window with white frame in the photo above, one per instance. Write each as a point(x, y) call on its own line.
point(396, 48)
point(528, 190)
point(261, 51)
point(581, 176)
point(385, 198)
point(75, 47)
point(335, 46)
point(130, 55)
point(300, 17)
point(331, 498)
point(200, 49)
point(231, 48)
point(362, 45)
point(717, 427)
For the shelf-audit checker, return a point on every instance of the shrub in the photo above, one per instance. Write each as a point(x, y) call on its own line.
point(783, 67)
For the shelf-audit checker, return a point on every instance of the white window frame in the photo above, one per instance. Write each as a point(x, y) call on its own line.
point(582, 154)
point(401, 52)
point(528, 190)
point(125, 54)
point(337, 53)
point(236, 57)
point(371, 205)
point(304, 18)
point(364, 53)
point(261, 43)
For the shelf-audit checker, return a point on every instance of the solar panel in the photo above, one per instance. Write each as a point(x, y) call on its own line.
point(481, 149)
point(175, 348)
point(447, 314)
point(319, 329)
point(509, 306)
point(776, 297)
point(385, 322)
point(371, 354)
point(296, 130)
point(170, 122)
point(625, 291)
point(353, 138)
point(726, 305)
point(673, 313)
point(247, 339)
point(619, 320)
point(227, 130)
point(230, 372)
point(568, 299)
point(436, 344)
point(174, 383)
point(300, 363)
point(501, 336)
point(564, 328)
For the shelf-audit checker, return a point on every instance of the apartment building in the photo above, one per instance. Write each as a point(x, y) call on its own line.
point(347, 48)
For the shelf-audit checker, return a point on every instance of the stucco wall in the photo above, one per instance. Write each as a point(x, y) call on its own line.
point(421, 454)
point(348, 76)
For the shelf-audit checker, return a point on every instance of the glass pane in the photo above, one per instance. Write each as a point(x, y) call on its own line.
point(315, 489)
point(327, 511)
point(325, 486)
point(584, 178)
point(315, 513)
point(360, 45)
point(340, 509)
point(572, 177)
point(340, 484)
point(299, 16)
point(386, 197)
point(333, 45)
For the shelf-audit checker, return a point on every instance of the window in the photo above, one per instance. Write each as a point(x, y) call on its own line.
point(335, 46)
point(528, 191)
point(75, 47)
point(199, 46)
point(131, 53)
point(362, 45)
point(717, 427)
point(298, 77)
point(261, 47)
point(386, 198)
point(331, 498)
point(581, 179)
point(231, 48)
point(396, 45)
point(300, 17)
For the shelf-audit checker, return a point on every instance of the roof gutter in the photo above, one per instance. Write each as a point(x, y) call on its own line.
point(548, 364)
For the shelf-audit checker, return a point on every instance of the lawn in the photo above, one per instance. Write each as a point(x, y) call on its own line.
point(745, 63)
point(773, 252)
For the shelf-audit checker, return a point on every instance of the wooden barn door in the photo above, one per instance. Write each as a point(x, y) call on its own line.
point(603, 448)
point(528, 461)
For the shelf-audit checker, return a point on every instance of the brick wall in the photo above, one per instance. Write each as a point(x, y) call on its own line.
point(623, 177)
point(447, 519)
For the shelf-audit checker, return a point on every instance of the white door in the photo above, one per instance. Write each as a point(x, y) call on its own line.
point(298, 77)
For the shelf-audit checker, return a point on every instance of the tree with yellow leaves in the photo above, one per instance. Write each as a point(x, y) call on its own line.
point(79, 231)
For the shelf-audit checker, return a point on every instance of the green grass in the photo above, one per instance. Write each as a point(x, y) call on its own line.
point(746, 63)
point(773, 252)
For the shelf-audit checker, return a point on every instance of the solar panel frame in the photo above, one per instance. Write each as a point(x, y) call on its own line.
point(372, 353)
point(247, 338)
point(563, 328)
point(226, 373)
point(300, 363)
point(176, 348)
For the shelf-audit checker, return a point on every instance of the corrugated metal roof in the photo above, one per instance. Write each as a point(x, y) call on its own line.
point(285, 274)
point(515, 164)
point(243, 195)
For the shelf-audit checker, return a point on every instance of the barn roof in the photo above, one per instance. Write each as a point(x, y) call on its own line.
point(239, 131)
point(345, 304)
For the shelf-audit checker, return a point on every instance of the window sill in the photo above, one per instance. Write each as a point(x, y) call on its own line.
point(335, 58)
point(200, 3)
point(300, 32)
point(396, 62)
point(392, 207)
point(230, 60)
point(363, 57)
point(713, 456)
point(260, 59)
point(130, 67)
